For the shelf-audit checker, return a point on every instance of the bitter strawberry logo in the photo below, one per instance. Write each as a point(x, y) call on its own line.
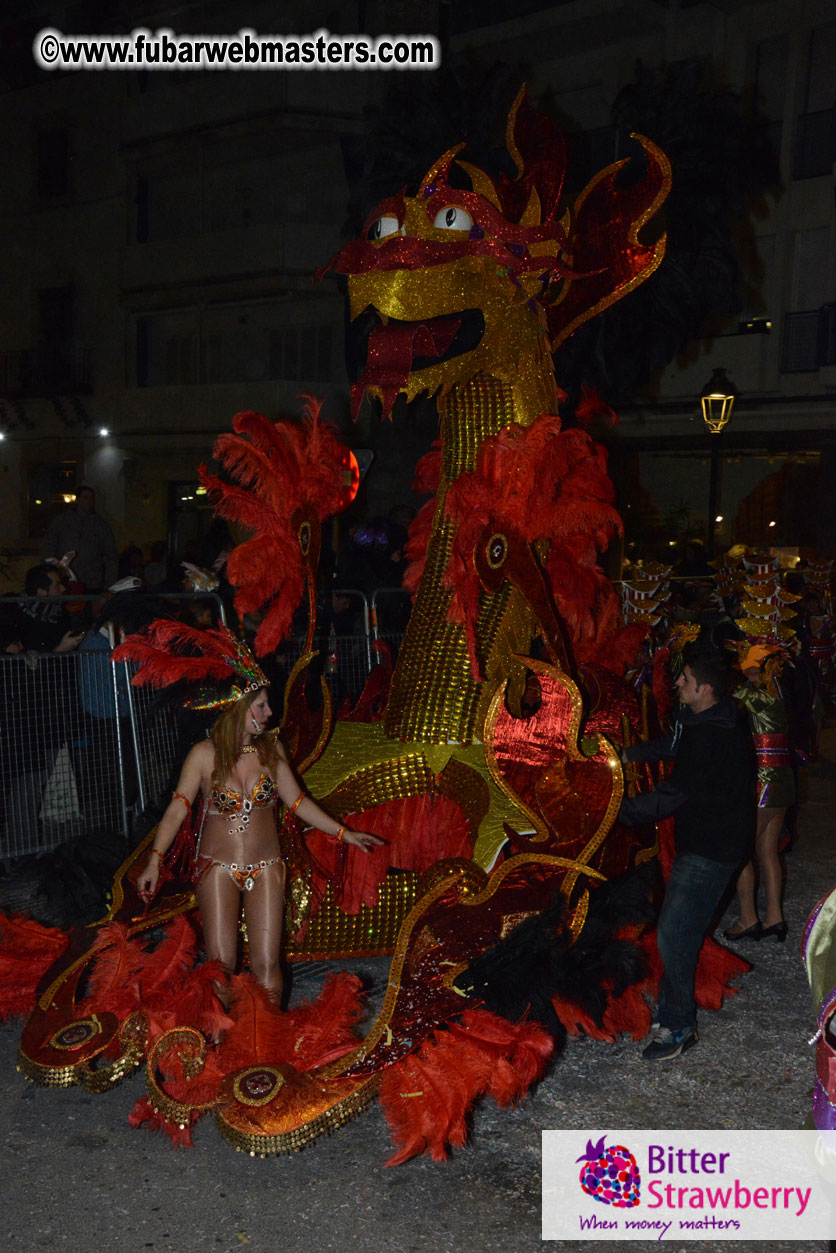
point(610, 1174)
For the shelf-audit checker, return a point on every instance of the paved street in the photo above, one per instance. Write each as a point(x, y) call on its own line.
point(76, 1176)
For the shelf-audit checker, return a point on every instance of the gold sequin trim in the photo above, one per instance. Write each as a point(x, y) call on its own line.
point(330, 1120)
point(133, 1036)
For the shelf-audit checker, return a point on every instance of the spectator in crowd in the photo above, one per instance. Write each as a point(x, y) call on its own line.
point(400, 519)
point(101, 742)
point(11, 640)
point(45, 625)
point(373, 556)
point(156, 569)
point(215, 546)
point(89, 536)
point(203, 613)
point(693, 563)
point(131, 562)
point(38, 710)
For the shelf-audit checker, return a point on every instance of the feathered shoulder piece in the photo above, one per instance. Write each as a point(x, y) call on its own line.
point(283, 479)
point(170, 652)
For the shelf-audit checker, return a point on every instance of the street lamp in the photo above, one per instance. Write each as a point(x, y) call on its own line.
point(717, 401)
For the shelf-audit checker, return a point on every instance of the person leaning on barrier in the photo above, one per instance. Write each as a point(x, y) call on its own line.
point(45, 625)
point(100, 745)
point(711, 794)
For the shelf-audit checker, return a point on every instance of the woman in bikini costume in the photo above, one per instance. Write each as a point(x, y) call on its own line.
point(761, 698)
point(243, 772)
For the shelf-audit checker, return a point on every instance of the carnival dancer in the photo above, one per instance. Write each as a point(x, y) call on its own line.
point(762, 700)
point(242, 772)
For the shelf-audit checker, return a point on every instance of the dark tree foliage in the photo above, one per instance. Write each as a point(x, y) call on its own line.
point(722, 167)
point(420, 118)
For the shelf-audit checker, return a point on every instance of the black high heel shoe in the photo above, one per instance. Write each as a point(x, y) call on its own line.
point(755, 932)
point(778, 932)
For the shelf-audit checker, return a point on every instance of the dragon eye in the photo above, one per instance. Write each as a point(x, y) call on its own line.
point(453, 219)
point(381, 227)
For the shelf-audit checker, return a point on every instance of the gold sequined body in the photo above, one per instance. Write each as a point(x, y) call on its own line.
point(434, 696)
point(436, 705)
point(465, 295)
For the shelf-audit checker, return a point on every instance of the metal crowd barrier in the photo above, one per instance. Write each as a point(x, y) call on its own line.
point(346, 659)
point(390, 612)
point(82, 750)
point(154, 733)
point(78, 750)
point(65, 764)
point(154, 736)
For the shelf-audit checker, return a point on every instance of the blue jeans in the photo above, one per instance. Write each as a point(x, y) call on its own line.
point(691, 897)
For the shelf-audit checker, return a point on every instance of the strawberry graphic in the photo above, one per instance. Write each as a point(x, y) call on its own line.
point(610, 1174)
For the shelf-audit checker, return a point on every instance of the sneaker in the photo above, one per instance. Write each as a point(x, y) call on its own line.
point(666, 1043)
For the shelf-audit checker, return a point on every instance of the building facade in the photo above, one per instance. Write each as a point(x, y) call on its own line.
point(162, 230)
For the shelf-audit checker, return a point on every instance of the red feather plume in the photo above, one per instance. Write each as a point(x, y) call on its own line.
point(277, 468)
point(170, 651)
point(427, 1096)
point(322, 1029)
point(541, 484)
point(27, 950)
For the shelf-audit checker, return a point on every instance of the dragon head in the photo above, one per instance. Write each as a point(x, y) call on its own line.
point(452, 282)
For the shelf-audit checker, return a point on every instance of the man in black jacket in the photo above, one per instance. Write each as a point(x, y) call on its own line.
point(711, 794)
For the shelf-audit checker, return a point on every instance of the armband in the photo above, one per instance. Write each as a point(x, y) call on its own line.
point(178, 796)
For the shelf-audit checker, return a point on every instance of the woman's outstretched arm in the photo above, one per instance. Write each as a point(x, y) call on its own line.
point(296, 798)
point(188, 786)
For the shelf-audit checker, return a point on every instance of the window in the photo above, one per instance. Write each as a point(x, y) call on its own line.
point(52, 163)
point(770, 89)
point(301, 353)
point(51, 487)
point(771, 77)
point(166, 349)
point(815, 148)
point(180, 363)
point(231, 344)
point(821, 90)
point(812, 283)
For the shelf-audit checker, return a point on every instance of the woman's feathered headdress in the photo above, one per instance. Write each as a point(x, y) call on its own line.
point(170, 652)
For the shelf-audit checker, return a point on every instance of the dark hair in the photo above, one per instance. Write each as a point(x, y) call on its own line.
point(85, 487)
point(709, 667)
point(37, 579)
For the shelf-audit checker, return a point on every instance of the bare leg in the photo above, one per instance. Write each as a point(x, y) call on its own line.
point(746, 897)
point(766, 851)
point(219, 901)
point(264, 912)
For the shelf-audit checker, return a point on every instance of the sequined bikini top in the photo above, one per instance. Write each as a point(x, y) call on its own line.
point(226, 800)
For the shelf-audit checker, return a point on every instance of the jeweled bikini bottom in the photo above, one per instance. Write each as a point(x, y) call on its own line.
point(244, 877)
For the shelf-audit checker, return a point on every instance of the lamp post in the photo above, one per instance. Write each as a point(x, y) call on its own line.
point(717, 401)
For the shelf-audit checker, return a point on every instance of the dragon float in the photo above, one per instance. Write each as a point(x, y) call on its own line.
point(514, 909)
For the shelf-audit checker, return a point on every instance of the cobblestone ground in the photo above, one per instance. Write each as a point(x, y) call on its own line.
point(75, 1176)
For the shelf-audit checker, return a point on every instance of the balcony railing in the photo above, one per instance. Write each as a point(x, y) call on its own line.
point(809, 341)
point(815, 144)
point(39, 372)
